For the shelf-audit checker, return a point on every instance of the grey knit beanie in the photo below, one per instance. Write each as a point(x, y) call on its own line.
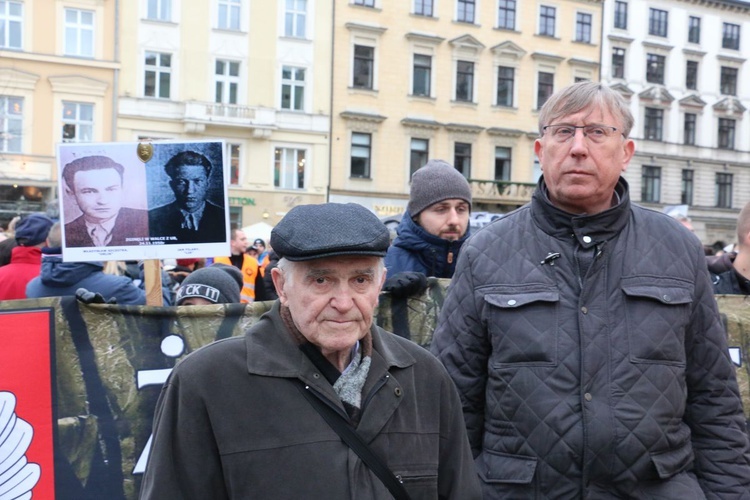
point(436, 181)
point(217, 284)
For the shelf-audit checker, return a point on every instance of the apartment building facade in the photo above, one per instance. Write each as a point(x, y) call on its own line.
point(58, 74)
point(255, 74)
point(460, 80)
point(683, 67)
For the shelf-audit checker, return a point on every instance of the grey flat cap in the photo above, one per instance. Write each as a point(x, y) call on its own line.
point(315, 231)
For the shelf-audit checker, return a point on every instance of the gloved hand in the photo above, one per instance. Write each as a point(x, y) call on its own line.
point(405, 283)
point(88, 297)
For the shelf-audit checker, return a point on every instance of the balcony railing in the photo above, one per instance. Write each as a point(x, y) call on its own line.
point(216, 112)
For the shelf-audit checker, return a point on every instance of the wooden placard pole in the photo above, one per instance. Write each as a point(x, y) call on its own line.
point(152, 279)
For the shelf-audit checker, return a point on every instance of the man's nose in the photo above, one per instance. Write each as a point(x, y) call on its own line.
point(578, 143)
point(342, 298)
point(453, 217)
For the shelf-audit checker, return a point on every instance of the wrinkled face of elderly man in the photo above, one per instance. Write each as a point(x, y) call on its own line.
point(332, 300)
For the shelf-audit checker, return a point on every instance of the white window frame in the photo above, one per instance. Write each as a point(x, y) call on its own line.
point(433, 7)
point(228, 155)
point(157, 69)
point(353, 146)
point(555, 29)
point(81, 30)
point(295, 86)
point(295, 18)
point(163, 10)
point(232, 18)
point(11, 22)
point(9, 118)
point(591, 26)
point(477, 10)
point(76, 120)
point(292, 177)
point(227, 80)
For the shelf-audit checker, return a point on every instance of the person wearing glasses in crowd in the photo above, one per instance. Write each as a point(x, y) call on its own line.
point(583, 336)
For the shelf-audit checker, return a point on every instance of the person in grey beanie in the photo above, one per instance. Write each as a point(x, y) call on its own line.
point(435, 224)
point(265, 415)
point(217, 284)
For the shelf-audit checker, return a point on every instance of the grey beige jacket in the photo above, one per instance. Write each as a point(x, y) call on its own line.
point(590, 356)
point(231, 423)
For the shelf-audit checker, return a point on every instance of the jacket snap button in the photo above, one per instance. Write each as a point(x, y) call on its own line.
point(587, 239)
point(585, 310)
point(316, 375)
point(512, 302)
point(397, 391)
point(588, 396)
point(667, 298)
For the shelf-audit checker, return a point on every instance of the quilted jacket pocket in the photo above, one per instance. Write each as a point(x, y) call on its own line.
point(672, 462)
point(495, 467)
point(658, 312)
point(523, 325)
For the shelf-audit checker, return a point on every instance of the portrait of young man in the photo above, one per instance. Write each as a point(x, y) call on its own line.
point(192, 216)
point(96, 184)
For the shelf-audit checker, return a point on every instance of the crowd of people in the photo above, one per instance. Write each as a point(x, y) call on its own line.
point(579, 352)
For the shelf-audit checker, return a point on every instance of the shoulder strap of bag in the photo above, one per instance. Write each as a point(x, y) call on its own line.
point(357, 444)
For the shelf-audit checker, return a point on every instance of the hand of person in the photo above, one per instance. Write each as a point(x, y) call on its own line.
point(88, 297)
point(405, 283)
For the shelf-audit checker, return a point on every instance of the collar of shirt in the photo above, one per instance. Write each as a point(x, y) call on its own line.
point(197, 215)
point(106, 225)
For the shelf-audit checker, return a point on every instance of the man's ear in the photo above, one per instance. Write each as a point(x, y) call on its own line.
point(278, 282)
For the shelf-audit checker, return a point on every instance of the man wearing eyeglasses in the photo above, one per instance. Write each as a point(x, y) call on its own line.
point(582, 333)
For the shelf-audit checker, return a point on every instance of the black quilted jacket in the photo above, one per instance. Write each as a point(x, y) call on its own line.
point(591, 359)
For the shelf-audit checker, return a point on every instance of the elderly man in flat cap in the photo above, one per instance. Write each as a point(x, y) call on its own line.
point(314, 401)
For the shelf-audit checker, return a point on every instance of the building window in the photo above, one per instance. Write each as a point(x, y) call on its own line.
point(365, 3)
point(364, 62)
point(655, 68)
point(583, 27)
point(227, 81)
point(420, 149)
point(462, 158)
point(546, 20)
point(422, 75)
point(689, 129)
point(464, 81)
point(686, 194)
point(731, 36)
point(506, 14)
point(78, 122)
point(654, 123)
point(229, 14)
point(233, 153)
point(618, 62)
point(545, 89)
point(505, 81)
point(423, 7)
point(694, 30)
point(79, 33)
point(295, 18)
point(11, 124)
point(361, 155)
point(657, 22)
point(728, 80)
point(502, 164)
point(11, 25)
point(621, 15)
point(289, 168)
point(159, 10)
point(723, 190)
point(691, 75)
point(293, 88)
point(465, 13)
point(158, 75)
point(651, 184)
point(726, 133)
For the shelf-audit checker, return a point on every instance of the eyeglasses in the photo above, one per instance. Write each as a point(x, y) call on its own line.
point(594, 133)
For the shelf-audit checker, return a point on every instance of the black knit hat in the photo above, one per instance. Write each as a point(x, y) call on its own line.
point(217, 284)
point(436, 181)
point(315, 231)
point(33, 229)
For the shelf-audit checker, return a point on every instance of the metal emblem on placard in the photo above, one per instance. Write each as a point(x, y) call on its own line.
point(145, 151)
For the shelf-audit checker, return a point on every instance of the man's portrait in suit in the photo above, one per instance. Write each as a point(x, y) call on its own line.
point(96, 184)
point(192, 217)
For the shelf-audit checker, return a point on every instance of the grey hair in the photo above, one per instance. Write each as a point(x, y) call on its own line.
point(580, 96)
point(55, 235)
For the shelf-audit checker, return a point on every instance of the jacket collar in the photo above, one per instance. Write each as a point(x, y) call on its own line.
point(589, 230)
point(271, 350)
point(26, 255)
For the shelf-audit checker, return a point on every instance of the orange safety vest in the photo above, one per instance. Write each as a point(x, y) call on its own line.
point(249, 274)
